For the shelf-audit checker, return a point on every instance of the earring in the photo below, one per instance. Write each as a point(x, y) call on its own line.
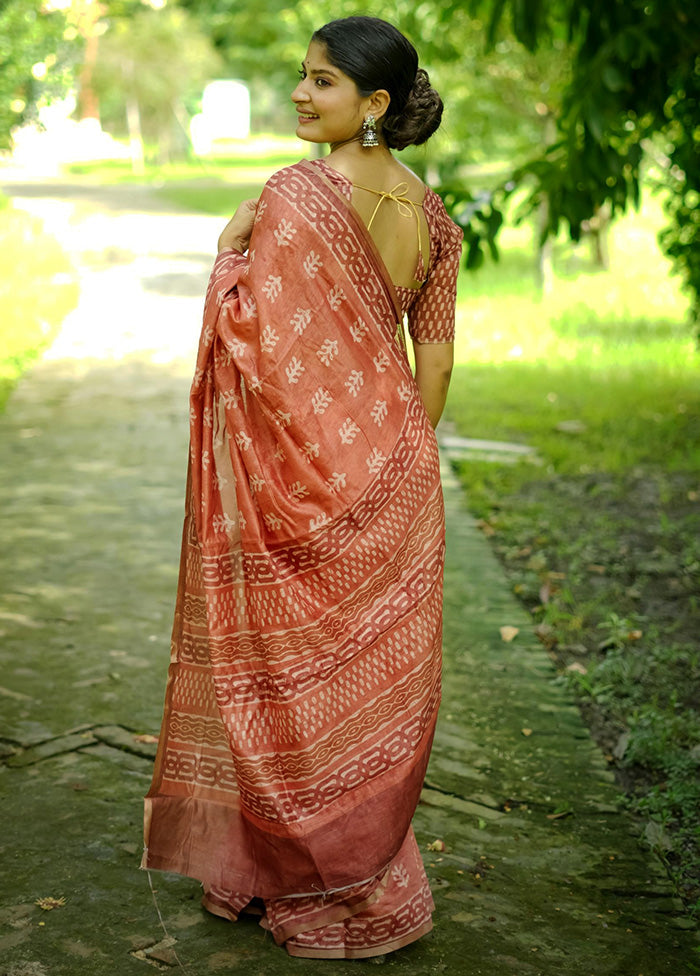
point(369, 132)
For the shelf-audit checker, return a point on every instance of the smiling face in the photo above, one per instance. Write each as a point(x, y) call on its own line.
point(329, 105)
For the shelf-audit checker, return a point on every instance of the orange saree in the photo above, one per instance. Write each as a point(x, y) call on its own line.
point(305, 673)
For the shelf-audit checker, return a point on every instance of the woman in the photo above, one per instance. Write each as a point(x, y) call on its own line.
point(305, 675)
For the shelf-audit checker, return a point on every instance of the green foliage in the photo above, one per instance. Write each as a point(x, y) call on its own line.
point(635, 82)
point(37, 290)
point(29, 35)
point(599, 532)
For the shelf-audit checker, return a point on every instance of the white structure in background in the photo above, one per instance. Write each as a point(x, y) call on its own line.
point(225, 117)
point(60, 140)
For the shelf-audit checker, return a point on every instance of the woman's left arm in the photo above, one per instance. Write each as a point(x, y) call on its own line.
point(434, 362)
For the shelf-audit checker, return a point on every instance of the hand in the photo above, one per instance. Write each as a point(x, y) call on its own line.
point(236, 233)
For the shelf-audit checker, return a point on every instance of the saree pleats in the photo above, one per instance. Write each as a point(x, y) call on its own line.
point(305, 671)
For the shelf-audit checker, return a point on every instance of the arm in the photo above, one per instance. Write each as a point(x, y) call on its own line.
point(433, 370)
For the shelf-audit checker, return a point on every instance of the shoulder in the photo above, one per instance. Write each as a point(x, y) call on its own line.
point(288, 174)
point(446, 232)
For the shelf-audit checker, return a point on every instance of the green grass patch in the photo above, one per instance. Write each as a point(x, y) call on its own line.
point(220, 199)
point(215, 185)
point(37, 290)
point(599, 534)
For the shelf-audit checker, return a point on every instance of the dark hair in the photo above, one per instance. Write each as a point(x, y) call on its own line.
point(376, 55)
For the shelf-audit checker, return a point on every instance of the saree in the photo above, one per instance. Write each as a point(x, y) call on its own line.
point(304, 681)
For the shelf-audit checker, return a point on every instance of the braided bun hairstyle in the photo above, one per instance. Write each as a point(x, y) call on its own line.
point(377, 56)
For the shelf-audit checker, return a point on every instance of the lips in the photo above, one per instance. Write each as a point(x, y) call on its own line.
point(307, 116)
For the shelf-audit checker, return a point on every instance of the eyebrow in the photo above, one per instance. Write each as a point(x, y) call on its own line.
point(319, 71)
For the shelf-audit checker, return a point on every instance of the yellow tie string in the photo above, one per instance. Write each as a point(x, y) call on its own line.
point(404, 204)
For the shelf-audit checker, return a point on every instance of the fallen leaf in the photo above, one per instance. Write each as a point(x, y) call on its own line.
point(437, 845)
point(526, 731)
point(146, 738)
point(596, 568)
point(47, 904)
point(545, 593)
point(509, 633)
point(577, 667)
point(559, 814)
point(634, 635)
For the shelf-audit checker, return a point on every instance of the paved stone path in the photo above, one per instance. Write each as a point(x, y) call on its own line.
point(541, 874)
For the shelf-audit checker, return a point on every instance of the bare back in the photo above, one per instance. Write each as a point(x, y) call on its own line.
point(389, 201)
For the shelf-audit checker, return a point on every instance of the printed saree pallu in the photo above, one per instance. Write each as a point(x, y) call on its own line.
point(305, 672)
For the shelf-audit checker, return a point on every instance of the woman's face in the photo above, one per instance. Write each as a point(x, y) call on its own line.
point(329, 106)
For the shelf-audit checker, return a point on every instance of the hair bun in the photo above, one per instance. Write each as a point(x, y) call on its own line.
point(418, 119)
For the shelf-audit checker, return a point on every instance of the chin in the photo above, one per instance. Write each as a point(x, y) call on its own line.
point(308, 136)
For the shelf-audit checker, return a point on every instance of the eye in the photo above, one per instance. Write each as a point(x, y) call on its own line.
point(322, 82)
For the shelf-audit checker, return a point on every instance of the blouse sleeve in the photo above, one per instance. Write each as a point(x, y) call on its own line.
point(431, 317)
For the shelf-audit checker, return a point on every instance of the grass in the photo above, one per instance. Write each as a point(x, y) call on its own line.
point(215, 185)
point(37, 290)
point(599, 535)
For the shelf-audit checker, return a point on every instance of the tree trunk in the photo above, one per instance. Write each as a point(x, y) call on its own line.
point(133, 121)
point(544, 269)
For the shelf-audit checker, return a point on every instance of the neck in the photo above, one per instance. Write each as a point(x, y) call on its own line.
point(353, 150)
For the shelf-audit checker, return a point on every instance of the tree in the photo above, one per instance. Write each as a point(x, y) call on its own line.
point(148, 63)
point(35, 58)
point(634, 93)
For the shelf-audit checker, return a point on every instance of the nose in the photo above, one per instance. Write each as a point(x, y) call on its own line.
point(300, 94)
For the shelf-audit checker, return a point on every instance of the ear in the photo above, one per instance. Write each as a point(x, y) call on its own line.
point(378, 103)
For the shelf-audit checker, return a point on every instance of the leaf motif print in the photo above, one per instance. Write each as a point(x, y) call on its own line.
point(284, 232)
point(222, 523)
point(381, 361)
point(358, 330)
point(272, 287)
point(260, 211)
point(321, 400)
point(243, 440)
point(294, 369)
point(283, 419)
point(354, 382)
point(405, 392)
point(256, 483)
point(301, 319)
point(273, 522)
point(337, 480)
point(349, 431)
point(298, 490)
point(312, 263)
point(230, 398)
point(400, 876)
point(250, 308)
point(379, 412)
point(336, 297)
point(318, 522)
point(375, 461)
point(328, 351)
point(311, 450)
point(269, 339)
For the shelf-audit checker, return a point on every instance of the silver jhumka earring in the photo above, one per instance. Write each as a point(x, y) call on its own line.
point(369, 132)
